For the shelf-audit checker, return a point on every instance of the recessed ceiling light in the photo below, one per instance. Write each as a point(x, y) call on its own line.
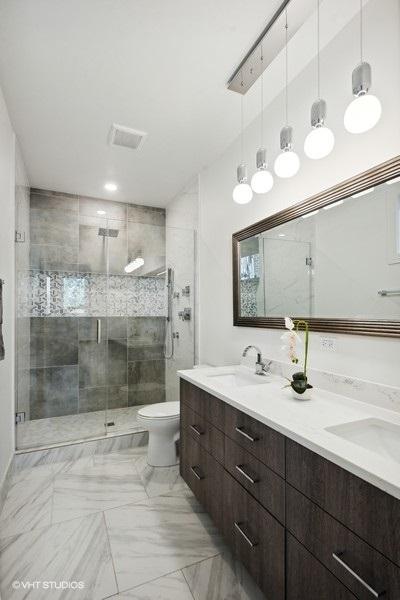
point(391, 181)
point(363, 193)
point(101, 212)
point(310, 214)
point(333, 205)
point(282, 235)
point(110, 186)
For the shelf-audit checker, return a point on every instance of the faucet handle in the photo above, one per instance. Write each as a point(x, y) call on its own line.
point(267, 366)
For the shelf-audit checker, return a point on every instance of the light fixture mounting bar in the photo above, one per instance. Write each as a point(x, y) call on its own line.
point(272, 42)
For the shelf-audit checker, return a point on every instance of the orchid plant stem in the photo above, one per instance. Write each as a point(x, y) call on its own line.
point(305, 324)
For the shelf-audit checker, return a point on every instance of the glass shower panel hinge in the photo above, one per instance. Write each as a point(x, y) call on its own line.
point(19, 417)
point(20, 236)
point(309, 261)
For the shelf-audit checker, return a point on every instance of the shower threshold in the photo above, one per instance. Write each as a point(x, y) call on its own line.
point(69, 429)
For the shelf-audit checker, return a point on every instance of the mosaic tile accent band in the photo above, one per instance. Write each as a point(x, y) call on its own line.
point(63, 294)
point(248, 297)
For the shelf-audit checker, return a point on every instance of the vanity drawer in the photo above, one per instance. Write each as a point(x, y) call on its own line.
point(256, 538)
point(262, 483)
point(202, 432)
point(264, 443)
point(307, 579)
point(326, 537)
point(206, 405)
point(369, 512)
point(204, 475)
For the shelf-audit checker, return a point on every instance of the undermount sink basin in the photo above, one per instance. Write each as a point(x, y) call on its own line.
point(375, 435)
point(239, 378)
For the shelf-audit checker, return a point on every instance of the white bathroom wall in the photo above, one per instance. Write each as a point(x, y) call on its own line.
point(181, 226)
point(376, 359)
point(7, 228)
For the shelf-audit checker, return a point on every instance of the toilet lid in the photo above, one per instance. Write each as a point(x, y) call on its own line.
point(163, 410)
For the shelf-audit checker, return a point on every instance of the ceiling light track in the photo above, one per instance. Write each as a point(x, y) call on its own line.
point(256, 61)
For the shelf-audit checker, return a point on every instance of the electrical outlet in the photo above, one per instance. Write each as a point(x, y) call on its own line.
point(328, 343)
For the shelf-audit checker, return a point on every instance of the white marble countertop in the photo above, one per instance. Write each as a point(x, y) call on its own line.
point(305, 422)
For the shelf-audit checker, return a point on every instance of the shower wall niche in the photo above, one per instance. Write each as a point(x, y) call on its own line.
point(96, 335)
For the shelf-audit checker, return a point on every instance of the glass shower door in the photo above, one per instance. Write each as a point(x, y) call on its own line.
point(135, 317)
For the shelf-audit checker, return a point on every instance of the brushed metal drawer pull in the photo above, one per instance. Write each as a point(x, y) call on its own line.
point(246, 537)
point(196, 474)
point(246, 435)
point(240, 469)
point(336, 556)
point(196, 430)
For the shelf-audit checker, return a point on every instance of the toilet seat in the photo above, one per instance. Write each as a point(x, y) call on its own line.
point(161, 411)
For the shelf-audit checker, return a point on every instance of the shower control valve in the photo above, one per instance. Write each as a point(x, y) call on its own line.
point(185, 314)
point(186, 290)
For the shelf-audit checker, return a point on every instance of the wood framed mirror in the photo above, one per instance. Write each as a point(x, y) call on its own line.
point(333, 259)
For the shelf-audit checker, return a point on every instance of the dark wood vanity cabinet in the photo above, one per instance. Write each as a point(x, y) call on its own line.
point(305, 528)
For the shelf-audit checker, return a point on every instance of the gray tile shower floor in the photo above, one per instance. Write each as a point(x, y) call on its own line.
point(123, 528)
point(56, 430)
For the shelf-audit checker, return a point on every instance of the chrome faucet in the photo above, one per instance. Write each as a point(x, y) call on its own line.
point(261, 367)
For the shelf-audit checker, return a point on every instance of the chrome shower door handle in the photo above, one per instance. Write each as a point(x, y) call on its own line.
point(98, 331)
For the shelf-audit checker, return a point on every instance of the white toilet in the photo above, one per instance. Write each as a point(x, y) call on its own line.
point(162, 422)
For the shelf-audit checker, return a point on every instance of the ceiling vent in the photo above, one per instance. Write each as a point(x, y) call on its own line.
point(126, 137)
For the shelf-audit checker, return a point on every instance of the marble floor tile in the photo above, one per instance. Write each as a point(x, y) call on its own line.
point(28, 501)
point(159, 536)
point(76, 550)
point(159, 481)
point(132, 455)
point(169, 587)
point(221, 578)
point(94, 484)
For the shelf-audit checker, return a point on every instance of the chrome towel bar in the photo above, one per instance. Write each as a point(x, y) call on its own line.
point(389, 292)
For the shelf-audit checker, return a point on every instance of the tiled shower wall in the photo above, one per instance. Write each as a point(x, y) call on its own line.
point(66, 289)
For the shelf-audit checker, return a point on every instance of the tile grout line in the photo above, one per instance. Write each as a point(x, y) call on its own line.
point(111, 554)
point(187, 583)
point(135, 587)
point(171, 573)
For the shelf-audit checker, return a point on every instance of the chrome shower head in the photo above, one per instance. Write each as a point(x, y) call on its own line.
point(104, 232)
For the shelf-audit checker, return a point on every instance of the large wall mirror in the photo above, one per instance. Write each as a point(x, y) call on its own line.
point(333, 259)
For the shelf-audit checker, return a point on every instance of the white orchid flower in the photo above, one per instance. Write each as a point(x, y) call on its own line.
point(289, 323)
point(291, 339)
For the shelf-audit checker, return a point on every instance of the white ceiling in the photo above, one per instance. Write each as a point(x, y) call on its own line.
point(70, 68)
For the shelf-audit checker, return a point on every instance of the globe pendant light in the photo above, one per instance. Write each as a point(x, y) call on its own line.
point(364, 112)
point(287, 163)
point(242, 192)
point(320, 141)
point(262, 180)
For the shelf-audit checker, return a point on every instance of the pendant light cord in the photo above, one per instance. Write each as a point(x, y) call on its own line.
point(361, 30)
point(286, 70)
point(241, 124)
point(318, 57)
point(262, 97)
